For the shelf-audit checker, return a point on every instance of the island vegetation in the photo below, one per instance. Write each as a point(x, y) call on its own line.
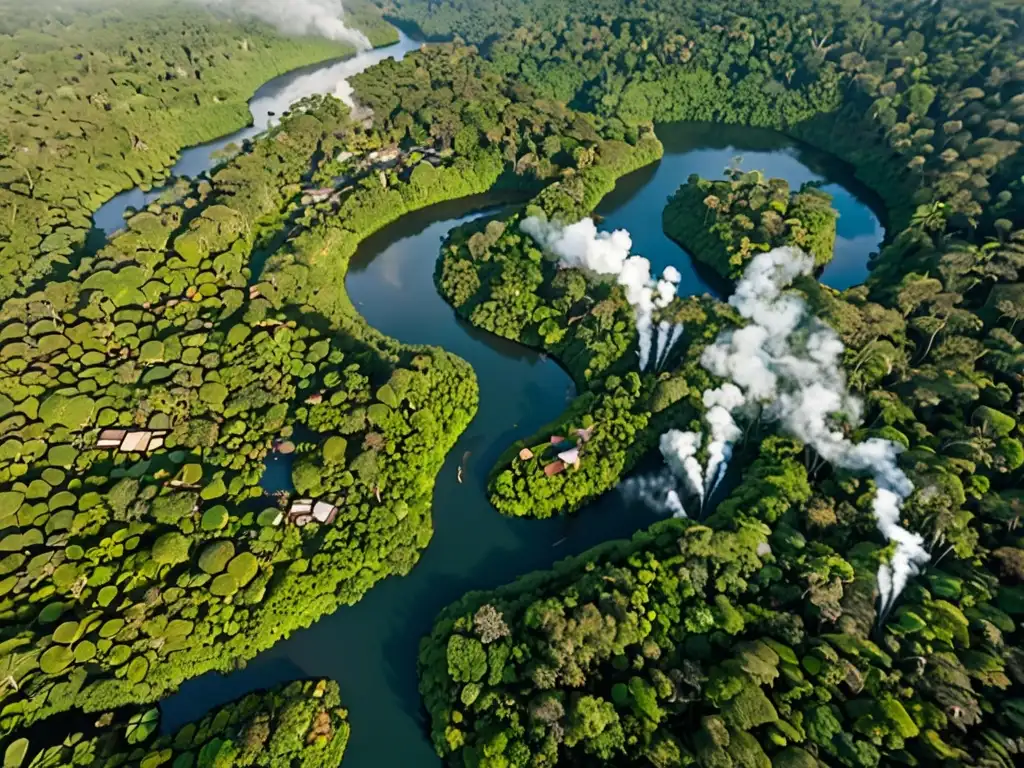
point(144, 382)
point(724, 224)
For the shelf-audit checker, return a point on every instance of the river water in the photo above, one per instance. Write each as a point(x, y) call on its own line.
point(370, 648)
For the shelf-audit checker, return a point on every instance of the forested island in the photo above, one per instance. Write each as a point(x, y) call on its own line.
point(725, 223)
point(787, 617)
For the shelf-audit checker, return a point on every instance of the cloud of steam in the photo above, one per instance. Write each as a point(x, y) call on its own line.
point(658, 492)
point(680, 452)
point(720, 404)
point(582, 246)
point(788, 366)
point(298, 17)
point(782, 365)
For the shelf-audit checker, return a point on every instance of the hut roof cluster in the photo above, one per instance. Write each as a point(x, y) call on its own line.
point(305, 511)
point(132, 440)
point(568, 452)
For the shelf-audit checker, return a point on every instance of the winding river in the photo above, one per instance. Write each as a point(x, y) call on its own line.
point(370, 648)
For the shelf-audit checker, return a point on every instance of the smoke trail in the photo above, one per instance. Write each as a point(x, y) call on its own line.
point(720, 404)
point(664, 331)
point(658, 492)
point(791, 365)
point(680, 452)
point(580, 245)
point(298, 17)
point(671, 338)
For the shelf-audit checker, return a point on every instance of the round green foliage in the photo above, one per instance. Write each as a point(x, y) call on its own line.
point(62, 455)
point(179, 628)
point(141, 725)
point(467, 660)
point(216, 556)
point(224, 585)
point(119, 654)
point(74, 552)
point(243, 567)
point(171, 549)
point(54, 477)
point(334, 450)
point(55, 659)
point(215, 518)
point(378, 413)
point(70, 411)
point(387, 396)
point(184, 760)
point(15, 754)
point(190, 474)
point(214, 490)
point(268, 516)
point(85, 651)
point(238, 334)
point(106, 595)
point(213, 393)
point(994, 422)
point(137, 670)
point(51, 613)
point(111, 627)
point(65, 576)
point(156, 759)
point(66, 633)
point(151, 352)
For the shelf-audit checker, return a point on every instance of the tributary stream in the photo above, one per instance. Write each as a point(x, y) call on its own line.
point(371, 648)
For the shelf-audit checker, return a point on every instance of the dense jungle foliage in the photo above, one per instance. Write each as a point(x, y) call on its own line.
point(497, 278)
point(96, 99)
point(129, 572)
point(726, 223)
point(298, 725)
point(219, 316)
point(766, 649)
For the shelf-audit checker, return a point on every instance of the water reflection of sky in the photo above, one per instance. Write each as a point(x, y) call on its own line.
point(638, 200)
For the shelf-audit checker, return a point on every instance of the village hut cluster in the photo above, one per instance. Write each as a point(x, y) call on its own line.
point(559, 453)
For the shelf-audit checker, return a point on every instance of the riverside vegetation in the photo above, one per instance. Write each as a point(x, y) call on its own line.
point(747, 638)
point(751, 637)
point(218, 315)
point(95, 101)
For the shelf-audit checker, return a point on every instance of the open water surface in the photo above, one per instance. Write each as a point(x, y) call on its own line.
point(370, 648)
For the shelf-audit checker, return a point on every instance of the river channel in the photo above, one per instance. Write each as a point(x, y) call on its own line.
point(370, 648)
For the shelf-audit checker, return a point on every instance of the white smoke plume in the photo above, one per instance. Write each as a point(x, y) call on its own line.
point(325, 18)
point(680, 452)
point(677, 333)
point(720, 404)
point(664, 334)
point(582, 246)
point(788, 365)
point(658, 492)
